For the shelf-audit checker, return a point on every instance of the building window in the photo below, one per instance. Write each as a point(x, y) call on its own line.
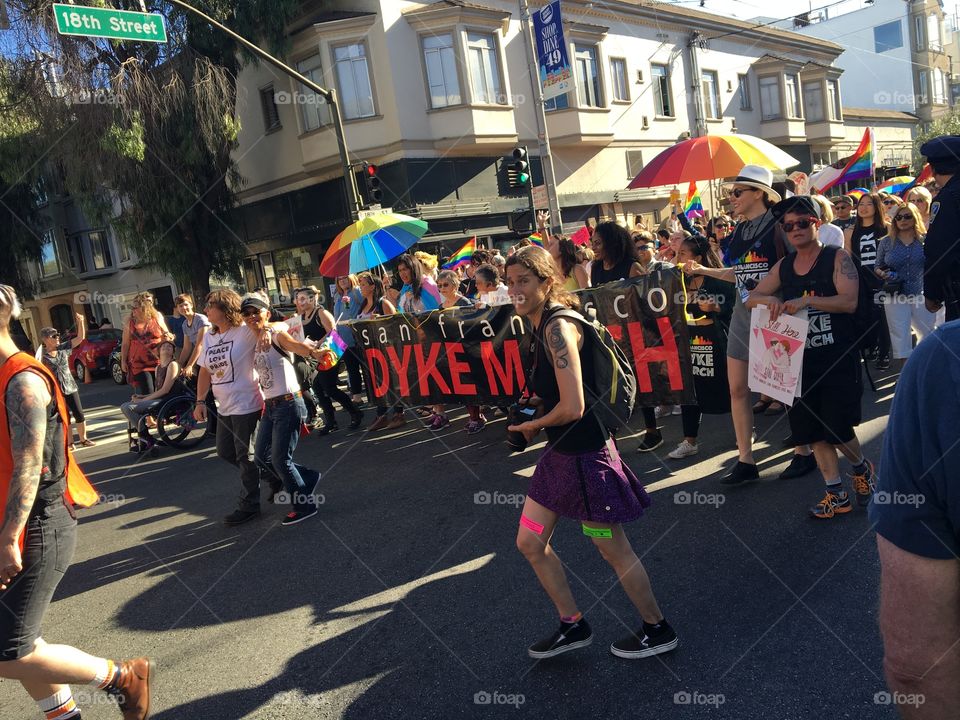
point(440, 60)
point(711, 94)
point(933, 33)
point(939, 89)
point(813, 102)
point(560, 102)
point(743, 90)
point(888, 36)
point(314, 111)
point(793, 96)
point(833, 100)
point(662, 95)
point(918, 23)
point(353, 76)
point(618, 74)
point(100, 251)
point(484, 69)
point(588, 76)
point(75, 254)
point(634, 163)
point(49, 262)
point(923, 91)
point(770, 98)
point(268, 104)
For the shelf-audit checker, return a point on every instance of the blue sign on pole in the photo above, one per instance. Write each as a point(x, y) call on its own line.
point(556, 75)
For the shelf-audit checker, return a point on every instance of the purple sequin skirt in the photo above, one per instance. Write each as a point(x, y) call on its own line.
point(595, 486)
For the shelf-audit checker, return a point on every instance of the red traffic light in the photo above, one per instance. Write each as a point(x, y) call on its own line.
point(371, 170)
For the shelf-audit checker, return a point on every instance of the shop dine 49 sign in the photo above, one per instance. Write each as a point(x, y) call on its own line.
point(109, 23)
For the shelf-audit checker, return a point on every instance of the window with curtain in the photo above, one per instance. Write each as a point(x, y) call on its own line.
point(314, 111)
point(743, 90)
point(813, 102)
point(939, 87)
point(618, 75)
point(353, 76)
point(711, 94)
point(770, 98)
point(440, 60)
point(793, 96)
point(100, 250)
point(484, 69)
point(833, 100)
point(662, 94)
point(933, 32)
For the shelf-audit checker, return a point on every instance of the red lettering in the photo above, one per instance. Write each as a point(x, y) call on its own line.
point(401, 367)
point(458, 367)
point(381, 383)
point(494, 370)
point(644, 356)
point(427, 368)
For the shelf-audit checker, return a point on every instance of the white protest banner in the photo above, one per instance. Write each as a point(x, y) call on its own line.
point(776, 354)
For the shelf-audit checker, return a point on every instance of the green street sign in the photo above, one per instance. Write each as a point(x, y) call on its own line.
point(117, 24)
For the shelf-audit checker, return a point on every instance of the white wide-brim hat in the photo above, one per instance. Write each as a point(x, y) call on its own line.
point(757, 177)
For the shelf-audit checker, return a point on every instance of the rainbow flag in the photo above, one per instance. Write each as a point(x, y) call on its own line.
point(331, 350)
point(536, 239)
point(855, 167)
point(693, 208)
point(463, 255)
point(920, 179)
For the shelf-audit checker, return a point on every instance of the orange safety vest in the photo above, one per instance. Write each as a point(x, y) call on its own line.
point(79, 490)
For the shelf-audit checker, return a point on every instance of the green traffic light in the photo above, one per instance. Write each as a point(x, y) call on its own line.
point(523, 178)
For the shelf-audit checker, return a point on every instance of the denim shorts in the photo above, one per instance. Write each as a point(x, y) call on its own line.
point(51, 538)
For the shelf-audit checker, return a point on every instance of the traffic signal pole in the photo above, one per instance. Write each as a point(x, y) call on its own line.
point(352, 196)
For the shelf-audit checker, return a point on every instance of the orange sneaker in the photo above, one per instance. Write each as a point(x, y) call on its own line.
point(831, 505)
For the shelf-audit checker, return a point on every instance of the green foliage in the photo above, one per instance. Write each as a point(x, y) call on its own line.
point(947, 125)
point(126, 141)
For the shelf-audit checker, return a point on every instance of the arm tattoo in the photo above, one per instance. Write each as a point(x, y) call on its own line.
point(847, 268)
point(26, 402)
point(558, 346)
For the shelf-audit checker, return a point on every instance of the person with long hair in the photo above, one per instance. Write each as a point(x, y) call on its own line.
point(900, 266)
point(861, 240)
point(708, 307)
point(564, 253)
point(226, 365)
point(920, 197)
point(580, 475)
point(415, 296)
point(755, 247)
point(375, 304)
point(830, 234)
point(135, 411)
point(56, 356)
point(143, 331)
point(345, 308)
point(615, 256)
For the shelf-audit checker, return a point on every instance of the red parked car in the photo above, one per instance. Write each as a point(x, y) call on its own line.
point(93, 354)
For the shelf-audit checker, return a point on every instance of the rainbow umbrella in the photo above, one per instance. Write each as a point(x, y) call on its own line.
point(896, 185)
point(371, 241)
point(858, 193)
point(710, 157)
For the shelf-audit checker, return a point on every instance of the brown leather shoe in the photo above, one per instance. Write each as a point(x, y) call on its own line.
point(133, 688)
point(379, 423)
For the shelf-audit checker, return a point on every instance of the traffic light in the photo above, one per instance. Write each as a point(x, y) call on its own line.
point(372, 183)
point(520, 168)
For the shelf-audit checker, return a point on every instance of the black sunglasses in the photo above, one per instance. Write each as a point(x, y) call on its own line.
point(643, 248)
point(802, 224)
point(903, 217)
point(737, 192)
point(888, 202)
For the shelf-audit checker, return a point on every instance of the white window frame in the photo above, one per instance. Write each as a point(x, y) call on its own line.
point(619, 91)
point(771, 108)
point(451, 96)
point(662, 109)
point(314, 111)
point(934, 36)
point(834, 106)
point(50, 239)
point(939, 86)
point(353, 110)
point(743, 91)
point(713, 106)
point(923, 89)
point(792, 96)
point(813, 105)
point(919, 30)
point(589, 88)
point(482, 92)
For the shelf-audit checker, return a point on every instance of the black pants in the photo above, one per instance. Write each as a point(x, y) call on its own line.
point(326, 389)
point(351, 358)
point(649, 418)
point(306, 374)
point(690, 416)
point(234, 444)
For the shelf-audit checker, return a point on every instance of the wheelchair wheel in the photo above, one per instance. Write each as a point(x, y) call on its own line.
point(177, 426)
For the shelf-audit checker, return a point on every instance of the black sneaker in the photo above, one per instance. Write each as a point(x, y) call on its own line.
point(356, 420)
point(239, 517)
point(327, 429)
point(652, 439)
point(569, 636)
point(640, 645)
point(740, 474)
point(799, 466)
point(883, 363)
point(292, 518)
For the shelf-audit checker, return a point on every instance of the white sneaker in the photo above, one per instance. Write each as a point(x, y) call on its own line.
point(684, 449)
point(677, 410)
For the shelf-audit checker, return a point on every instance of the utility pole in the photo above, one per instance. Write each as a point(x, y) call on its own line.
point(546, 159)
point(349, 179)
point(696, 40)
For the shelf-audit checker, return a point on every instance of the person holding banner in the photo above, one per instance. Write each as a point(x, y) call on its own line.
point(375, 304)
point(346, 307)
point(824, 282)
point(580, 475)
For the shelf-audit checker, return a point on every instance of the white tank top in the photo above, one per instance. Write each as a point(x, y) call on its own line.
point(275, 371)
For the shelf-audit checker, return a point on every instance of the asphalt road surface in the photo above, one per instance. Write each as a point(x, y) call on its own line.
point(406, 597)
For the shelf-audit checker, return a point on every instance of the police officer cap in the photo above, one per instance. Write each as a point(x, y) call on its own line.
point(943, 153)
point(803, 204)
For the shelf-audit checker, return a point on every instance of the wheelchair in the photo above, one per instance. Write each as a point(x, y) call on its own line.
point(175, 425)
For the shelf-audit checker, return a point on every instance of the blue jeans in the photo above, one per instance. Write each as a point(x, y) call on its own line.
point(277, 438)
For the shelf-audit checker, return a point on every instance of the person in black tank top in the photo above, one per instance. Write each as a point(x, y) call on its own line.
point(824, 282)
point(580, 475)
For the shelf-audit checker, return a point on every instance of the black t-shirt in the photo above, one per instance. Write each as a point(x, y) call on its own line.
point(754, 249)
point(864, 243)
point(917, 503)
point(621, 271)
point(314, 329)
point(584, 435)
point(831, 338)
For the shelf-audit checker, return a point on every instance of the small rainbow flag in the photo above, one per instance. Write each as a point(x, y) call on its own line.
point(536, 239)
point(858, 166)
point(693, 207)
point(331, 349)
point(463, 255)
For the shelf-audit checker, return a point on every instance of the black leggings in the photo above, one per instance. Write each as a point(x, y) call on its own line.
point(74, 406)
point(326, 389)
point(306, 376)
point(351, 358)
point(690, 416)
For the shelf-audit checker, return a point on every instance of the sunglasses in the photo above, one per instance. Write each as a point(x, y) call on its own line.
point(889, 202)
point(802, 224)
point(55, 336)
point(444, 284)
point(643, 248)
point(250, 312)
point(900, 218)
point(740, 191)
